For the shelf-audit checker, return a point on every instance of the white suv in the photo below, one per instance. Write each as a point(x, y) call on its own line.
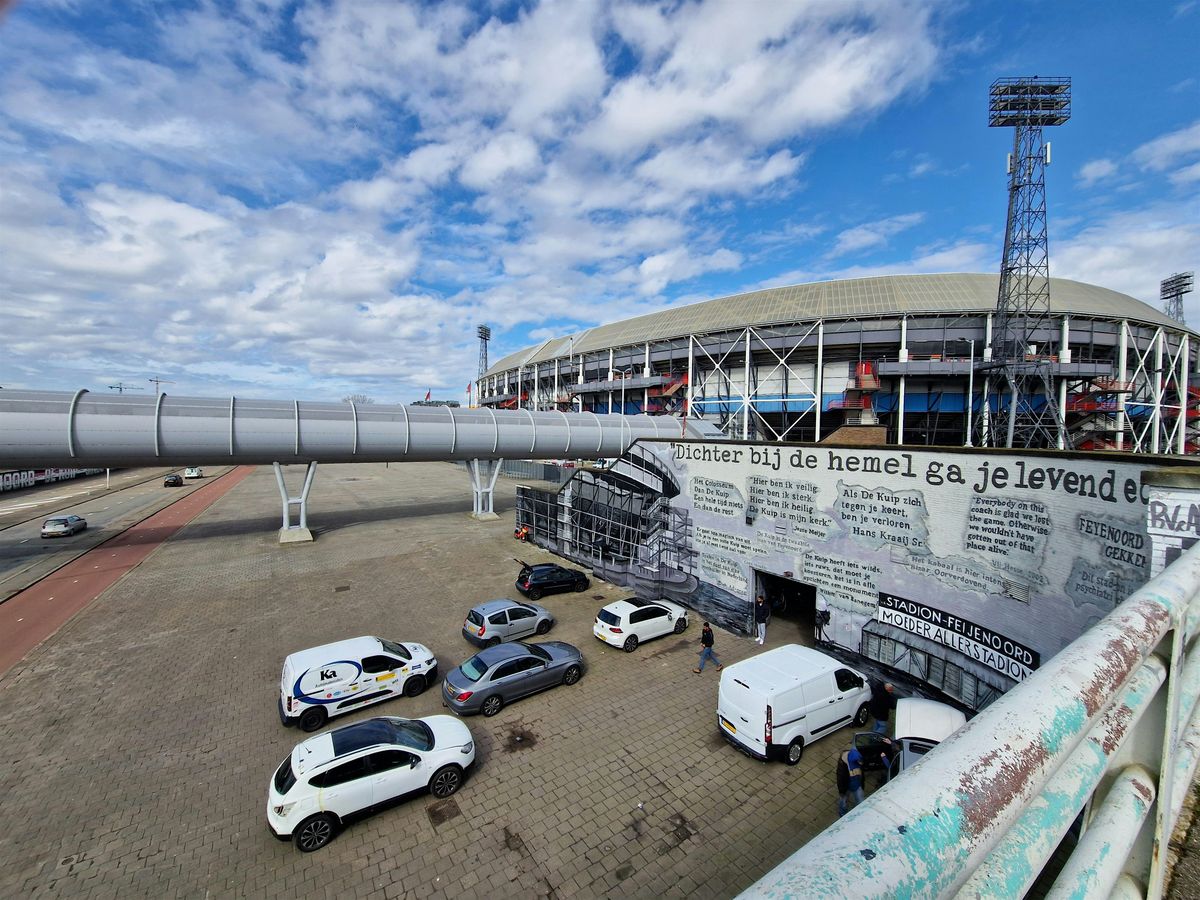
point(193, 472)
point(347, 772)
point(628, 622)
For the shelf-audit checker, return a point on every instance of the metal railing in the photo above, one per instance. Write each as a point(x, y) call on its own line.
point(1108, 728)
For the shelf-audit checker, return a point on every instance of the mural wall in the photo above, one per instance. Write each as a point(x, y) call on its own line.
point(966, 569)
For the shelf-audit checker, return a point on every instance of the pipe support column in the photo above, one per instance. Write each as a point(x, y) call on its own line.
point(289, 533)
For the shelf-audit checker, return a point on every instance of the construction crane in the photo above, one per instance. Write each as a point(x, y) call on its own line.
point(156, 381)
point(121, 387)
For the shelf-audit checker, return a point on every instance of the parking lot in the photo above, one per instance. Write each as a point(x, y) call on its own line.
point(138, 741)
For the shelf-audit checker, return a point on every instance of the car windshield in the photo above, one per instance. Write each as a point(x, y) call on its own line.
point(532, 609)
point(473, 669)
point(284, 777)
point(636, 601)
point(538, 652)
point(406, 732)
point(608, 617)
point(395, 649)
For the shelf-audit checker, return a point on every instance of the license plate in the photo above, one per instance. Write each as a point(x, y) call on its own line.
point(727, 724)
point(602, 637)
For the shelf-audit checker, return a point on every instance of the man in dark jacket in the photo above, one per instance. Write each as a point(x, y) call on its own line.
point(883, 701)
point(762, 614)
point(706, 650)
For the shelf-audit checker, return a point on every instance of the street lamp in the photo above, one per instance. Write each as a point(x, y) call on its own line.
point(970, 389)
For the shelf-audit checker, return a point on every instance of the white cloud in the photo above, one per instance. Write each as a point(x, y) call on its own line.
point(1096, 170)
point(506, 154)
point(873, 234)
point(655, 272)
point(1163, 152)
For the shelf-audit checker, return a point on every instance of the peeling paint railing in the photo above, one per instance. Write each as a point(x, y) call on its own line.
point(1109, 728)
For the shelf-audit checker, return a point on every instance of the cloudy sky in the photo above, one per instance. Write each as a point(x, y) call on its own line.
point(314, 199)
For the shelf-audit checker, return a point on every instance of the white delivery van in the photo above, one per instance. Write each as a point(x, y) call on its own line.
point(920, 726)
point(326, 681)
point(772, 705)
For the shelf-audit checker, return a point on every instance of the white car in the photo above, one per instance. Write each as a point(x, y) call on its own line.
point(343, 774)
point(628, 622)
point(193, 472)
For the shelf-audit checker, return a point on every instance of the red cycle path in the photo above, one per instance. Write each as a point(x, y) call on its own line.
point(28, 618)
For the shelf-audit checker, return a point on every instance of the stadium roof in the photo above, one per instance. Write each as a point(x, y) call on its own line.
point(886, 295)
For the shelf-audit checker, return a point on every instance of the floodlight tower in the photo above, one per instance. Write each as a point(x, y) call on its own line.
point(1022, 321)
point(485, 335)
point(1172, 290)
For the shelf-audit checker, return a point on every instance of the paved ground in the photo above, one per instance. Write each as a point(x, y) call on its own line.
point(140, 738)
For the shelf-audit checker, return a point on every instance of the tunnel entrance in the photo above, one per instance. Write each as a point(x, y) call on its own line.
point(793, 605)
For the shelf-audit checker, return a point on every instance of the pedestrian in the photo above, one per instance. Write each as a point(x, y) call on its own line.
point(762, 615)
point(883, 701)
point(821, 619)
point(706, 650)
point(849, 780)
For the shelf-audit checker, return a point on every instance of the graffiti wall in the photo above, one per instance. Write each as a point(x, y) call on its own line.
point(987, 562)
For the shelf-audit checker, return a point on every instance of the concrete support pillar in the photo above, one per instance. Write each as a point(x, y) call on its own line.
point(1123, 377)
point(820, 379)
point(483, 473)
point(1184, 397)
point(290, 533)
point(903, 380)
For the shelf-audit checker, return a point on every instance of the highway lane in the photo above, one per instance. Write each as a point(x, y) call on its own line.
point(132, 495)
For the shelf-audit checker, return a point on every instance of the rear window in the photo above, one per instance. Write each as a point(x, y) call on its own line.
point(284, 778)
point(56, 521)
point(473, 669)
point(474, 618)
point(608, 617)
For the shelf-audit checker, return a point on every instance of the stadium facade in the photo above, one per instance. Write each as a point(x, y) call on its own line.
point(910, 353)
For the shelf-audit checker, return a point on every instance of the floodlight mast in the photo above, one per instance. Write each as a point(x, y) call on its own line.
point(485, 334)
point(1172, 290)
point(1022, 323)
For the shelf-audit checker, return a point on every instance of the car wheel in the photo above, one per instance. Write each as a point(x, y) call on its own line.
point(572, 674)
point(631, 643)
point(491, 642)
point(314, 833)
point(580, 587)
point(492, 705)
point(860, 718)
point(535, 594)
point(414, 685)
point(543, 626)
point(445, 781)
point(795, 750)
point(680, 625)
point(312, 719)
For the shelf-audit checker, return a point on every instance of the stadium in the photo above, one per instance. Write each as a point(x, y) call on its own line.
point(909, 354)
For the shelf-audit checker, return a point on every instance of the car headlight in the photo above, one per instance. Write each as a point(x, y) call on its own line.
point(283, 809)
point(466, 748)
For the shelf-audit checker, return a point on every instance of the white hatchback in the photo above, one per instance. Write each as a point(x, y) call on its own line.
point(343, 774)
point(628, 622)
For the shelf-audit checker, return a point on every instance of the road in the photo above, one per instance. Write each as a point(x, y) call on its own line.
point(110, 506)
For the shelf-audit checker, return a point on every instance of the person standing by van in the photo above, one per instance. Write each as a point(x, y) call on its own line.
point(706, 650)
point(883, 701)
point(762, 614)
point(849, 780)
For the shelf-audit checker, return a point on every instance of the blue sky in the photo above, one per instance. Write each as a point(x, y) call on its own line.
point(283, 199)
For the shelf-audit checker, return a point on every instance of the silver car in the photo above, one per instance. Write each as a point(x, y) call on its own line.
point(498, 675)
point(63, 526)
point(505, 620)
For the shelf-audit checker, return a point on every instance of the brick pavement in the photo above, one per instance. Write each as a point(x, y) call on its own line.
point(140, 738)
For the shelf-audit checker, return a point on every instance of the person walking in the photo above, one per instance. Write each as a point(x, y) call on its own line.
point(762, 615)
point(883, 701)
point(706, 650)
point(849, 780)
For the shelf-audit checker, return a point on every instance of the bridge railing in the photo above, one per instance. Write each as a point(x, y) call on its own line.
point(1109, 728)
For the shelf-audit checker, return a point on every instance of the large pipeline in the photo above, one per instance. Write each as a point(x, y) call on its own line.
point(61, 428)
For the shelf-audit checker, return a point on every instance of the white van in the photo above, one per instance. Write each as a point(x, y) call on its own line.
point(771, 705)
point(920, 726)
point(332, 679)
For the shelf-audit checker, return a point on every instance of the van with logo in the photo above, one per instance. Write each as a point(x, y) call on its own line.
point(771, 706)
point(920, 726)
point(322, 682)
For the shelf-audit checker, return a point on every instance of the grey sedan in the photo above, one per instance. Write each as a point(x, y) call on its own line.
point(506, 672)
point(63, 526)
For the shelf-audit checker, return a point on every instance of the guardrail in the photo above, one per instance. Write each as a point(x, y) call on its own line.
point(1107, 728)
